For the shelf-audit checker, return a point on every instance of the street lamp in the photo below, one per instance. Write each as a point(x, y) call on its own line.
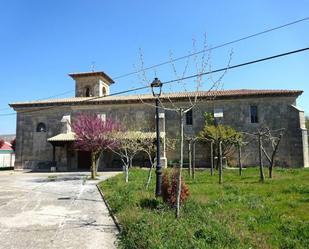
point(218, 116)
point(156, 88)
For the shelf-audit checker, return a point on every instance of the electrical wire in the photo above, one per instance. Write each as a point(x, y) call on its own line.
point(175, 80)
point(213, 48)
point(192, 54)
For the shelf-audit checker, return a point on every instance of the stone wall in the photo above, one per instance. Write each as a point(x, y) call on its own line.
point(274, 112)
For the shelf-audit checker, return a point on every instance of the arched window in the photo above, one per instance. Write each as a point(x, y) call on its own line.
point(41, 127)
point(87, 92)
point(104, 91)
point(189, 117)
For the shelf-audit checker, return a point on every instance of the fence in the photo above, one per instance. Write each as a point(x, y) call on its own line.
point(7, 160)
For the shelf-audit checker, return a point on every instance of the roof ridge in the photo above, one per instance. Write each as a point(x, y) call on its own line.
point(176, 95)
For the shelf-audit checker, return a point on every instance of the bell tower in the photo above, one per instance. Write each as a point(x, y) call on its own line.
point(91, 84)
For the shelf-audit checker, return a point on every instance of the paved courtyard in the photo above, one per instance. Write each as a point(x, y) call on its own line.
point(53, 210)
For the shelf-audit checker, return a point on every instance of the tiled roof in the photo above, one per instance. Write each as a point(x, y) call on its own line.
point(6, 146)
point(62, 137)
point(69, 137)
point(220, 94)
point(138, 135)
point(86, 74)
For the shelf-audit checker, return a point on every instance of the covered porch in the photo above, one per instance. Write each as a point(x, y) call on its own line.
point(64, 156)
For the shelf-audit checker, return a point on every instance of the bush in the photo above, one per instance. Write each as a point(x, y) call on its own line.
point(169, 189)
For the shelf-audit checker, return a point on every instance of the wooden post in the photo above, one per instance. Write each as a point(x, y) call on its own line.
point(260, 158)
point(239, 159)
point(181, 113)
point(212, 158)
point(193, 163)
point(220, 161)
point(190, 157)
point(54, 155)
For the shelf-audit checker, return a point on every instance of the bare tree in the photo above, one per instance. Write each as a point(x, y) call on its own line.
point(148, 146)
point(265, 135)
point(201, 65)
point(274, 144)
point(240, 145)
point(128, 145)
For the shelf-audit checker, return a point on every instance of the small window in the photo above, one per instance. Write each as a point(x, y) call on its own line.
point(87, 92)
point(189, 118)
point(254, 114)
point(41, 127)
point(104, 90)
point(102, 116)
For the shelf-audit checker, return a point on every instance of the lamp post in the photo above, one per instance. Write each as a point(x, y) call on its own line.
point(218, 116)
point(156, 88)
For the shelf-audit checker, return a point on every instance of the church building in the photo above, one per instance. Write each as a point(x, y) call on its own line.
point(44, 137)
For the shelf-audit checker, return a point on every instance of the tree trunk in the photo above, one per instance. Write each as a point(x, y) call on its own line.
point(125, 168)
point(149, 173)
point(148, 178)
point(180, 166)
point(212, 158)
point(126, 173)
point(218, 155)
point(93, 166)
point(270, 173)
point(190, 157)
point(193, 160)
point(261, 159)
point(220, 160)
point(97, 162)
point(239, 160)
point(273, 157)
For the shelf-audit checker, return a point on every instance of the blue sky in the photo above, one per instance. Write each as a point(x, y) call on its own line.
point(42, 41)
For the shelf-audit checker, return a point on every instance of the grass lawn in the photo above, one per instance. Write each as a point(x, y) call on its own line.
point(240, 213)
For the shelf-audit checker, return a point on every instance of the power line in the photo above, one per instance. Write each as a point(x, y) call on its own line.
point(213, 48)
point(57, 95)
point(175, 80)
point(192, 54)
point(242, 64)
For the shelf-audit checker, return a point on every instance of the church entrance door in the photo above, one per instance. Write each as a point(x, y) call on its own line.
point(84, 160)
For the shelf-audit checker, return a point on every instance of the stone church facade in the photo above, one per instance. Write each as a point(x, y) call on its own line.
point(44, 137)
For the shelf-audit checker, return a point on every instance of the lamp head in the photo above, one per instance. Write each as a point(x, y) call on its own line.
point(156, 87)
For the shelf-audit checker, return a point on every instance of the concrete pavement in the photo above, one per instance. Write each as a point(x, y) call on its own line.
point(53, 210)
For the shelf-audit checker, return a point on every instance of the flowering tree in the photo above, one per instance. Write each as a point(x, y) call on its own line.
point(127, 148)
point(129, 144)
point(94, 135)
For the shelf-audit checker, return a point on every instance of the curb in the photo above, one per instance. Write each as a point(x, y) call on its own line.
point(118, 225)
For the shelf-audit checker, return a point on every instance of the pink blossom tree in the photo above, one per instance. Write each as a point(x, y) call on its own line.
point(94, 135)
